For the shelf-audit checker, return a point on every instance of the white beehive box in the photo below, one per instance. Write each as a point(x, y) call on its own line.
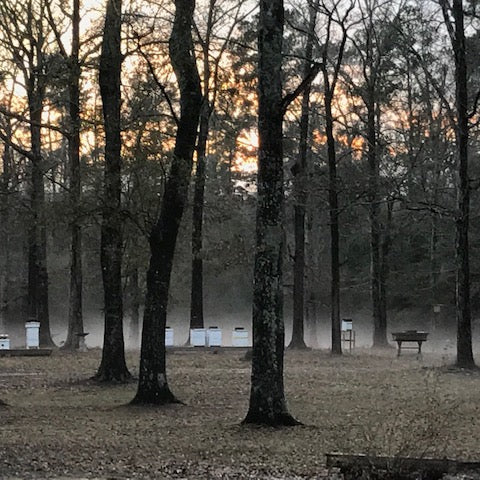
point(240, 337)
point(197, 337)
point(214, 337)
point(32, 330)
point(169, 337)
point(347, 324)
point(4, 342)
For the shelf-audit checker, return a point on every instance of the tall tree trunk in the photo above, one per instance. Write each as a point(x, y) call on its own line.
point(113, 365)
point(75, 316)
point(434, 148)
point(334, 229)
point(329, 86)
point(434, 264)
point(464, 323)
point(298, 326)
point(196, 300)
point(300, 171)
point(37, 235)
point(385, 251)
point(379, 329)
point(5, 229)
point(411, 132)
point(152, 384)
point(267, 398)
point(134, 293)
point(311, 290)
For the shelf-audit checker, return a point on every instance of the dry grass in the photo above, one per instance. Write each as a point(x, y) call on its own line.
point(59, 425)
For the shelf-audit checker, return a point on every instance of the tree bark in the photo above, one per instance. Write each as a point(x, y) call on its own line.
point(379, 326)
point(152, 385)
point(329, 86)
point(300, 171)
point(334, 228)
point(113, 365)
point(267, 398)
point(298, 327)
point(5, 245)
point(37, 235)
point(384, 253)
point(196, 300)
point(464, 322)
point(134, 294)
point(75, 316)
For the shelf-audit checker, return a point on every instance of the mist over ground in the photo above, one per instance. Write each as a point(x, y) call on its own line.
point(441, 328)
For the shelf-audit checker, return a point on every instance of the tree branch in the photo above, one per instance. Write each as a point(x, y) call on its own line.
point(290, 97)
point(15, 146)
point(53, 26)
point(445, 4)
point(430, 77)
point(475, 105)
point(159, 84)
point(23, 118)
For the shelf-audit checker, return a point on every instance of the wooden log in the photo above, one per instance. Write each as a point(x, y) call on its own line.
point(26, 352)
point(431, 466)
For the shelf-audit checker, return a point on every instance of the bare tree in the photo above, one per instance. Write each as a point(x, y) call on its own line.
point(152, 384)
point(6, 189)
point(267, 398)
point(113, 365)
point(300, 175)
point(212, 52)
point(25, 35)
point(75, 316)
point(330, 79)
point(454, 20)
point(372, 44)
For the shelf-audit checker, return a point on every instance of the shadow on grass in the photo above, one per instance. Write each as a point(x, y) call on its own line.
point(455, 369)
point(92, 382)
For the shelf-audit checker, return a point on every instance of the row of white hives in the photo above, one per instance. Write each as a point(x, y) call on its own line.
point(199, 337)
point(210, 337)
point(32, 339)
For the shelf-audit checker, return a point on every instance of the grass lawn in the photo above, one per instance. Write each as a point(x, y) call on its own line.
point(58, 424)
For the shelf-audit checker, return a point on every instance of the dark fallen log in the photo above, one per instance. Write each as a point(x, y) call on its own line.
point(402, 467)
point(26, 352)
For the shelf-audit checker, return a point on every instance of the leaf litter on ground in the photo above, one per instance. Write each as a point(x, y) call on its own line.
point(60, 425)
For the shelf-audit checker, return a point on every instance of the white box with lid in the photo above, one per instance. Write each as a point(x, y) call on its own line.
point(197, 337)
point(240, 337)
point(169, 338)
point(32, 331)
point(214, 337)
point(347, 324)
point(4, 341)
